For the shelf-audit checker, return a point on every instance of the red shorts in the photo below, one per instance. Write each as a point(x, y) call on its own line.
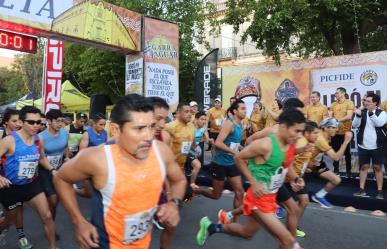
point(266, 203)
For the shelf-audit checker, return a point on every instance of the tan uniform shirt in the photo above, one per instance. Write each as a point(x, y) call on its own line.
point(339, 111)
point(316, 113)
point(216, 118)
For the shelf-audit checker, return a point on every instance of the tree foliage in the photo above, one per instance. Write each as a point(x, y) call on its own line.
point(101, 71)
point(312, 27)
point(12, 86)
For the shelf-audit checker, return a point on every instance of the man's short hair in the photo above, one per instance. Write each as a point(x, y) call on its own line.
point(291, 117)
point(317, 93)
point(234, 106)
point(54, 114)
point(310, 126)
point(375, 97)
point(159, 102)
point(293, 103)
point(28, 109)
point(97, 117)
point(181, 105)
point(341, 89)
point(199, 114)
point(121, 112)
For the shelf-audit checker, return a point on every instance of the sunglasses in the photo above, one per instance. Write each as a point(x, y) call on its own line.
point(33, 122)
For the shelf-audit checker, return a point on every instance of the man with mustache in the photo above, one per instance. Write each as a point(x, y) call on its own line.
point(127, 179)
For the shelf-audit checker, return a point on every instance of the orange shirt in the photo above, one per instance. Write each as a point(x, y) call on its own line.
point(339, 111)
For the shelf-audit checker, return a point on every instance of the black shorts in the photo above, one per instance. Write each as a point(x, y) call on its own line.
point(286, 192)
point(377, 156)
point(220, 173)
point(15, 195)
point(45, 179)
point(317, 171)
point(213, 135)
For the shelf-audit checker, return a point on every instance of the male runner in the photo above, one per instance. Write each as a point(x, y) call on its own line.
point(18, 183)
point(76, 131)
point(227, 145)
point(265, 164)
point(96, 134)
point(127, 179)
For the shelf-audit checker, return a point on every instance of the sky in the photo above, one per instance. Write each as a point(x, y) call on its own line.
point(8, 53)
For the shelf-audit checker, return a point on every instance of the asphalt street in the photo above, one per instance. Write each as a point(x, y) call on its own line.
point(326, 229)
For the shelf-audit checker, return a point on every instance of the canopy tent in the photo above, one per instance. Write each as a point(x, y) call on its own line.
point(72, 100)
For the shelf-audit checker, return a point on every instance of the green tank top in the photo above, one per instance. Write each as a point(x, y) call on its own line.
point(271, 173)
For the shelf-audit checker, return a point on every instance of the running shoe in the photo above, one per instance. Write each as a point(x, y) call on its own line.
point(322, 201)
point(300, 233)
point(24, 243)
point(203, 234)
point(222, 217)
point(280, 213)
point(361, 193)
point(380, 195)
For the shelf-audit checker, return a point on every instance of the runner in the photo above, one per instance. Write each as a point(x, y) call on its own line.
point(96, 134)
point(55, 140)
point(223, 164)
point(261, 163)
point(323, 156)
point(76, 131)
point(18, 183)
point(127, 180)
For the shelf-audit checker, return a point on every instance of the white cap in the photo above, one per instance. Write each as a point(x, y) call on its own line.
point(218, 99)
point(193, 103)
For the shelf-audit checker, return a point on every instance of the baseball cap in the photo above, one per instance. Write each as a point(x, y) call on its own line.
point(218, 99)
point(193, 103)
point(81, 115)
point(329, 122)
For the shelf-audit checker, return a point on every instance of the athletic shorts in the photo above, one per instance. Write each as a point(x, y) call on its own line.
point(377, 156)
point(45, 179)
point(266, 203)
point(317, 171)
point(213, 135)
point(286, 192)
point(15, 195)
point(220, 173)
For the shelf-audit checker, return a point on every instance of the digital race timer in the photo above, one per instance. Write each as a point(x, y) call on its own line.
point(16, 41)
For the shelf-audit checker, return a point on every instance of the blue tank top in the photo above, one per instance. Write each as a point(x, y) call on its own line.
point(54, 146)
point(199, 134)
point(95, 139)
point(21, 167)
point(233, 139)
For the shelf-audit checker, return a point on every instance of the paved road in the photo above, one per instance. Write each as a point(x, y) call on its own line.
point(326, 229)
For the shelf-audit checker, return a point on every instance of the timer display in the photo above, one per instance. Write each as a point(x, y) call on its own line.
point(19, 42)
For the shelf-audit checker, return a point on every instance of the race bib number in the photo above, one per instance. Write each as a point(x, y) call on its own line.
point(218, 122)
point(235, 146)
point(27, 169)
point(138, 225)
point(185, 147)
point(277, 181)
point(73, 147)
point(55, 161)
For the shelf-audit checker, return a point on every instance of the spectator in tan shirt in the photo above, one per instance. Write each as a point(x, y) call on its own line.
point(342, 110)
point(316, 111)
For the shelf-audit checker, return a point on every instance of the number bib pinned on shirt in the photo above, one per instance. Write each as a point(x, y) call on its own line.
point(276, 181)
point(218, 122)
point(138, 225)
point(185, 147)
point(27, 169)
point(235, 146)
point(55, 161)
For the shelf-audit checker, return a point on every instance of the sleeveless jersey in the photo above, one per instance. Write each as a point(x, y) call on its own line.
point(96, 139)
point(20, 167)
point(54, 147)
point(199, 134)
point(123, 209)
point(75, 136)
point(271, 174)
point(233, 140)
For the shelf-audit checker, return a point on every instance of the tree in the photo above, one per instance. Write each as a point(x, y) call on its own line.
point(12, 86)
point(103, 71)
point(312, 27)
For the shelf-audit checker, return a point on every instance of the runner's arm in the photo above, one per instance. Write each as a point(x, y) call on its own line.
point(43, 159)
point(339, 154)
point(348, 116)
point(260, 134)
point(5, 145)
point(84, 141)
point(224, 132)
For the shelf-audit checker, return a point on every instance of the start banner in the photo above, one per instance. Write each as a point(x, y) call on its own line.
point(358, 74)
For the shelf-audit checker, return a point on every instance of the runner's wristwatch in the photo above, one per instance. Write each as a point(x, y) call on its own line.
point(178, 203)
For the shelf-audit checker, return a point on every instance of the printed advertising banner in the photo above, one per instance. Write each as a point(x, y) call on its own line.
point(134, 71)
point(52, 76)
point(90, 21)
point(205, 80)
point(358, 73)
point(161, 57)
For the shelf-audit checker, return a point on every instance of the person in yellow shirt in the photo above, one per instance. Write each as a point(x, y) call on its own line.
point(316, 111)
point(257, 118)
point(383, 106)
point(342, 111)
point(194, 108)
point(323, 156)
point(273, 113)
point(182, 134)
point(216, 115)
